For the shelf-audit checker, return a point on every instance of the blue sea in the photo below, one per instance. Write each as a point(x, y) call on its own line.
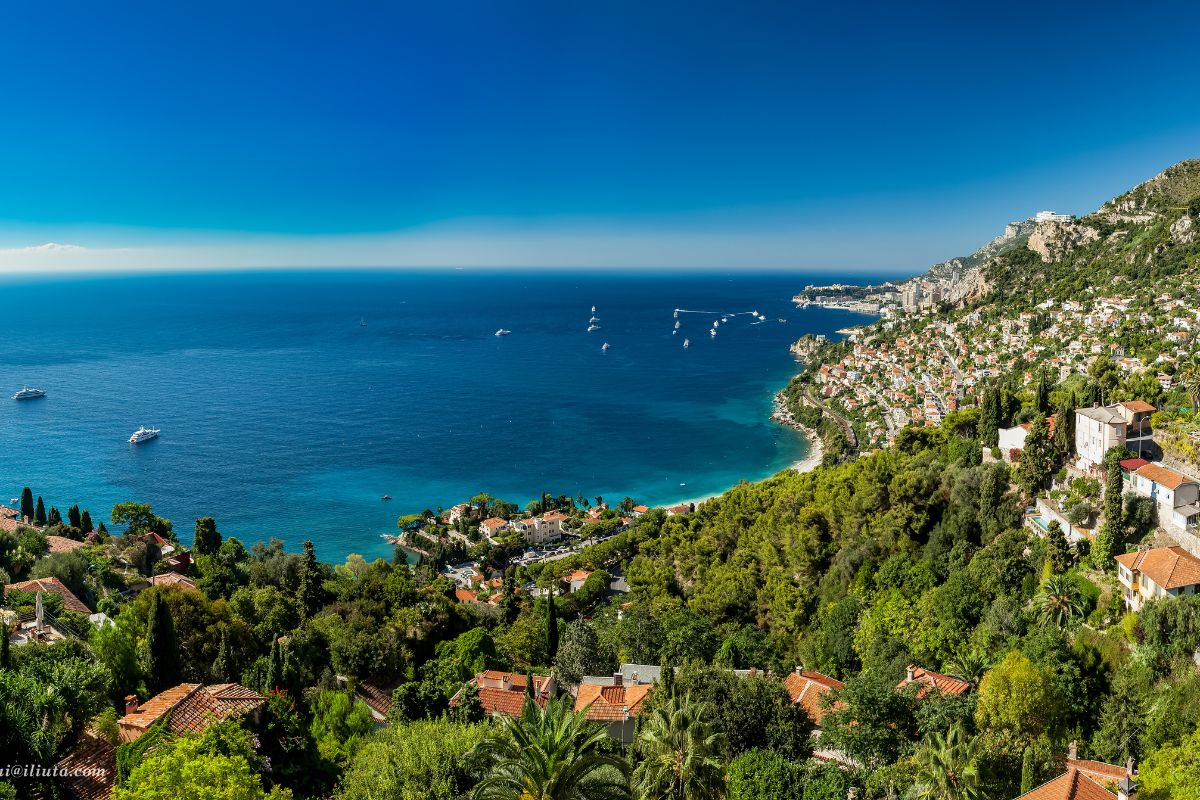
point(282, 415)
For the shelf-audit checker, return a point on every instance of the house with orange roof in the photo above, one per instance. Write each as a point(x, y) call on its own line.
point(51, 586)
point(1175, 495)
point(1081, 784)
point(184, 709)
point(577, 578)
point(492, 526)
point(930, 681)
point(503, 693)
point(1148, 574)
point(613, 703)
point(638, 510)
point(61, 544)
point(806, 688)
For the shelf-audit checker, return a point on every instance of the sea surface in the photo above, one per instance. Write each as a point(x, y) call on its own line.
point(290, 403)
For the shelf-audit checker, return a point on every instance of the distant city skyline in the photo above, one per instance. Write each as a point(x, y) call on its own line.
point(757, 135)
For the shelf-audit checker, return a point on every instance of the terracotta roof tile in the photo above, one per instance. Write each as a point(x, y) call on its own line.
point(806, 690)
point(94, 754)
point(609, 703)
point(172, 579)
point(1071, 785)
point(1169, 567)
point(61, 544)
point(1163, 476)
point(53, 586)
point(190, 708)
point(935, 681)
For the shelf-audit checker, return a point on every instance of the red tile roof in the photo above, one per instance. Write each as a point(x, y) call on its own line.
point(1137, 406)
point(806, 689)
point(1071, 785)
point(507, 701)
point(96, 756)
point(609, 703)
point(1133, 464)
point(53, 586)
point(935, 681)
point(465, 596)
point(61, 544)
point(1163, 476)
point(1098, 770)
point(1169, 567)
point(190, 708)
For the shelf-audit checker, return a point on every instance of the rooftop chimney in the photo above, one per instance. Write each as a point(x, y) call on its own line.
point(799, 669)
point(618, 679)
point(1129, 770)
point(1126, 789)
point(912, 673)
point(131, 704)
point(1073, 750)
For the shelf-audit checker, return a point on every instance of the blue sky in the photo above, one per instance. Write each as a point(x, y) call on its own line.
point(620, 133)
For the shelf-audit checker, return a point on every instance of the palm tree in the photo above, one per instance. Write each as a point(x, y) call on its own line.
point(946, 768)
point(680, 754)
point(968, 664)
point(1060, 600)
point(550, 753)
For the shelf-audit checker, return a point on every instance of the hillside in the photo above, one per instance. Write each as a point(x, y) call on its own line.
point(1120, 284)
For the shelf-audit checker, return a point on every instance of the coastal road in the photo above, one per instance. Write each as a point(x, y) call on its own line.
point(847, 428)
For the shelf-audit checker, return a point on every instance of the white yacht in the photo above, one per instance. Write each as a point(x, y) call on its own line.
point(593, 328)
point(712, 331)
point(685, 342)
point(594, 320)
point(503, 332)
point(143, 434)
point(28, 394)
point(604, 346)
point(676, 324)
point(677, 313)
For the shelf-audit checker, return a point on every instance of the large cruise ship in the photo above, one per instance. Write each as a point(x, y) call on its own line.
point(143, 434)
point(28, 394)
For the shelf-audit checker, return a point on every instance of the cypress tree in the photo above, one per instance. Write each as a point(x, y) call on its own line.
point(73, 516)
point(1027, 771)
point(1064, 426)
point(221, 668)
point(529, 695)
point(4, 645)
point(1041, 393)
point(666, 678)
point(207, 541)
point(552, 628)
point(162, 647)
point(39, 513)
point(27, 511)
point(85, 522)
point(310, 583)
point(54, 517)
point(1057, 549)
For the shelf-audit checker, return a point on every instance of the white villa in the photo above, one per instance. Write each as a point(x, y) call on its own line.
point(1175, 495)
point(1101, 428)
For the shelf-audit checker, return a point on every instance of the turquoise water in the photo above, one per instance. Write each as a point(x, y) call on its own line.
point(283, 416)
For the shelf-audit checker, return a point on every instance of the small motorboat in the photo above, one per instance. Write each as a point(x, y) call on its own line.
point(386, 497)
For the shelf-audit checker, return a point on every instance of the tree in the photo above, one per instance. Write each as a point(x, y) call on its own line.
point(764, 775)
point(162, 647)
point(1189, 380)
point(580, 654)
point(140, 518)
point(197, 768)
point(207, 540)
point(946, 767)
point(1017, 701)
point(1037, 459)
point(425, 760)
point(311, 592)
point(340, 724)
point(27, 510)
point(1172, 772)
point(1057, 549)
point(1061, 601)
point(551, 628)
point(54, 517)
point(1041, 393)
point(1064, 425)
point(680, 754)
point(39, 514)
point(551, 753)
point(969, 664)
point(73, 516)
point(85, 522)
